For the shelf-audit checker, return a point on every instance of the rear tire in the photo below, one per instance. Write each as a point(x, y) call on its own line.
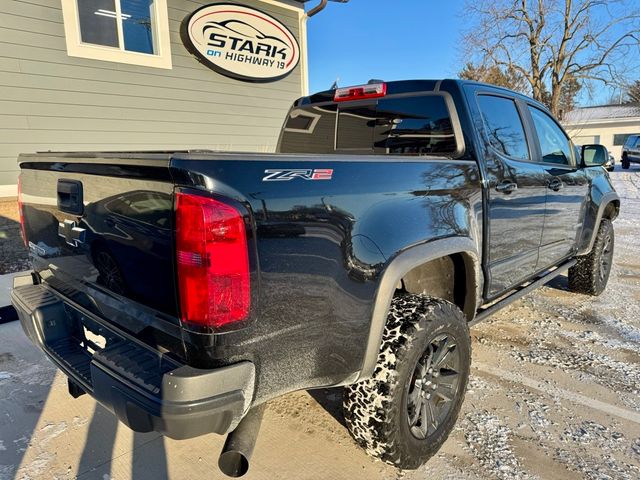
point(406, 411)
point(625, 163)
point(591, 274)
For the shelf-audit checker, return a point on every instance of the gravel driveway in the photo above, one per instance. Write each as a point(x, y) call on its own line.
point(554, 394)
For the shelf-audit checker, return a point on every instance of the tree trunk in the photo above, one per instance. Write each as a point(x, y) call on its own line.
point(556, 95)
point(554, 103)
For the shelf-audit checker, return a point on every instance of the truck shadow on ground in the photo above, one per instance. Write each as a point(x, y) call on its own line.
point(561, 282)
point(330, 399)
point(14, 256)
point(24, 389)
point(148, 452)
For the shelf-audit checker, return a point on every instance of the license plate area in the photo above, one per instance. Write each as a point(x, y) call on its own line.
point(93, 342)
point(91, 335)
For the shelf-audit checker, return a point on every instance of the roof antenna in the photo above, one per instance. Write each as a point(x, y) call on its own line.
point(335, 84)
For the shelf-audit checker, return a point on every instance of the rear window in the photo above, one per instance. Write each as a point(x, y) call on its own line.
point(402, 126)
point(310, 130)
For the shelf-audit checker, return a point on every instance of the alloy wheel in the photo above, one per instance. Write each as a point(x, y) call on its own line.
point(606, 258)
point(433, 386)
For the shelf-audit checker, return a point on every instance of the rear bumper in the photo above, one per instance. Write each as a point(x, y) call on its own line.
point(145, 389)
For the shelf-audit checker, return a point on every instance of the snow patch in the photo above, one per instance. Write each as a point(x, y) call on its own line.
point(489, 441)
point(51, 431)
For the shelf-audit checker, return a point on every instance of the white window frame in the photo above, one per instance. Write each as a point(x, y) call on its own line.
point(76, 48)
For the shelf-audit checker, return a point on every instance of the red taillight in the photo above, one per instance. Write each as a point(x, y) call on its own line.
point(213, 262)
point(360, 92)
point(21, 213)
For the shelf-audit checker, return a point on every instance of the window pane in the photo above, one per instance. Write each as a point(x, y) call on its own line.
point(403, 126)
point(414, 126)
point(504, 126)
point(301, 122)
point(138, 26)
point(554, 144)
point(303, 135)
point(620, 138)
point(150, 207)
point(98, 22)
point(355, 128)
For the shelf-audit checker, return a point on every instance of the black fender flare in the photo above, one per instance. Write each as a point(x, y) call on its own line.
point(606, 200)
point(402, 264)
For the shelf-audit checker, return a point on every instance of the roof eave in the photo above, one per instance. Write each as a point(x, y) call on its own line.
point(600, 121)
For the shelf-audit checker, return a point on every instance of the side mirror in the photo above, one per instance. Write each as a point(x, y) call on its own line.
point(594, 155)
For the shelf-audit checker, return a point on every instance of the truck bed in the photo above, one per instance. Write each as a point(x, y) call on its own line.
point(317, 245)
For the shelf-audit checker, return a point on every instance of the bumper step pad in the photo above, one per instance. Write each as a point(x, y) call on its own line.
point(69, 352)
point(137, 364)
point(147, 390)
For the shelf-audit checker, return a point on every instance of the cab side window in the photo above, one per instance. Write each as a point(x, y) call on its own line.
point(554, 144)
point(503, 126)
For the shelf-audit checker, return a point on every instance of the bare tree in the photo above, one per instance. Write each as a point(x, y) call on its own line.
point(633, 92)
point(553, 42)
point(495, 75)
point(569, 89)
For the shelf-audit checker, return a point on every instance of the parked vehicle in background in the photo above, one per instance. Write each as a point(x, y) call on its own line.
point(183, 290)
point(610, 165)
point(631, 151)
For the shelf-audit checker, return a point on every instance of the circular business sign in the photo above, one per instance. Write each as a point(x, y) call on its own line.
point(241, 42)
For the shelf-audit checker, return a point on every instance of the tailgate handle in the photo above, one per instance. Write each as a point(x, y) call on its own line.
point(70, 197)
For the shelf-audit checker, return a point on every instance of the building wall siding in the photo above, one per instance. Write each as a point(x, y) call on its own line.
point(50, 101)
point(605, 131)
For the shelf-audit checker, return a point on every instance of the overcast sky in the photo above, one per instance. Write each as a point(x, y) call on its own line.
point(391, 40)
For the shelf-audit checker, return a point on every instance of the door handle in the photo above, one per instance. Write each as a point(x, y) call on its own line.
point(555, 184)
point(70, 199)
point(506, 187)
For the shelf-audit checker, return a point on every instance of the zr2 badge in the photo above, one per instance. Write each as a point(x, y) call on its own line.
point(303, 173)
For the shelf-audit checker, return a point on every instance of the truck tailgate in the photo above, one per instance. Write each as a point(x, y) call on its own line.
point(100, 232)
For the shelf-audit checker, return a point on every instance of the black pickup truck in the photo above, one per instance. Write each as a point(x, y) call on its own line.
point(185, 289)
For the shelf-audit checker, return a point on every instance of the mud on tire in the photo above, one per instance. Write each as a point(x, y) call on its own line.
point(591, 274)
point(378, 411)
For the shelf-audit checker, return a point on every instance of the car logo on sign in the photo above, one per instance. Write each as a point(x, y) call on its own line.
point(241, 42)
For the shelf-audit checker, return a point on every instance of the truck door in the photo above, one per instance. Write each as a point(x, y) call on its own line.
point(515, 191)
point(567, 188)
